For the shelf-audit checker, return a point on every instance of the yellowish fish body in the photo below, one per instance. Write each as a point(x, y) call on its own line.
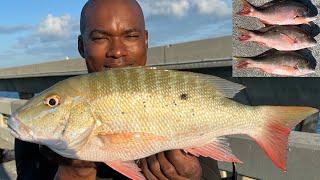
point(123, 115)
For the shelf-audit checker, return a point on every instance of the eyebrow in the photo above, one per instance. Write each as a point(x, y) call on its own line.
point(100, 32)
point(131, 31)
point(106, 33)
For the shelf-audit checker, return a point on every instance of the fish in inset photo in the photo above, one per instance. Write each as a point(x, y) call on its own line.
point(279, 63)
point(278, 12)
point(282, 38)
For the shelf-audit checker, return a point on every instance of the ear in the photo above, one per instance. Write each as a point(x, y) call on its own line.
point(147, 38)
point(81, 46)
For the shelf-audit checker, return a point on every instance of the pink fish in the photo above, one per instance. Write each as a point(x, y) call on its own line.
point(285, 12)
point(277, 63)
point(282, 38)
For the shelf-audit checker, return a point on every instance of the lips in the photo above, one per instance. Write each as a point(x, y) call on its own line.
point(19, 130)
point(13, 125)
point(118, 63)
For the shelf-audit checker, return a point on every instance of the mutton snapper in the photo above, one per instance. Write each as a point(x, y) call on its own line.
point(281, 63)
point(282, 38)
point(278, 12)
point(125, 114)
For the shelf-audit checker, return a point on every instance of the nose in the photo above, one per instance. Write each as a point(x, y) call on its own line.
point(117, 49)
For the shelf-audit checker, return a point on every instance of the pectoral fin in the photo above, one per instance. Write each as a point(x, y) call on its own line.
point(288, 38)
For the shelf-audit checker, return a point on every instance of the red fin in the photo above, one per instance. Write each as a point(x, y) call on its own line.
point(245, 35)
point(247, 9)
point(218, 150)
point(287, 38)
point(273, 137)
point(129, 169)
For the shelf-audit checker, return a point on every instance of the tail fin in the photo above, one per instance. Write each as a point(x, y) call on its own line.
point(278, 122)
point(242, 63)
point(247, 9)
point(245, 35)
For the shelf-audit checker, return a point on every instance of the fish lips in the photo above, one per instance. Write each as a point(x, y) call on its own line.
point(19, 130)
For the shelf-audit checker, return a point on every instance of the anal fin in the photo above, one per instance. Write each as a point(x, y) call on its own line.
point(219, 150)
point(129, 169)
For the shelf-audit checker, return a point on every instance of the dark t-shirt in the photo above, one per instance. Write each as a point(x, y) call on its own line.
point(32, 165)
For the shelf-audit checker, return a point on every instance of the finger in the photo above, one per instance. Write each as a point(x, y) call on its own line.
point(167, 168)
point(182, 162)
point(154, 167)
point(145, 170)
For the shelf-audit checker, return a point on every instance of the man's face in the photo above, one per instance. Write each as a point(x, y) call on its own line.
point(114, 36)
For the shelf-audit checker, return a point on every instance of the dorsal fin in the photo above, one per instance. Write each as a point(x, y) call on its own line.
point(271, 3)
point(227, 88)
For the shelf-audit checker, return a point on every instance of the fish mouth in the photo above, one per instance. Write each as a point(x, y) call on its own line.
point(19, 130)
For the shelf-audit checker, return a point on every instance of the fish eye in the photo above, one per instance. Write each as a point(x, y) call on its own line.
point(52, 101)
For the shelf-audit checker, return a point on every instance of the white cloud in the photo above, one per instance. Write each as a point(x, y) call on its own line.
point(55, 37)
point(165, 7)
point(50, 29)
point(219, 7)
point(55, 27)
point(181, 8)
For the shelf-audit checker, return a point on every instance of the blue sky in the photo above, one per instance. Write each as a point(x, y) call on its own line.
point(36, 31)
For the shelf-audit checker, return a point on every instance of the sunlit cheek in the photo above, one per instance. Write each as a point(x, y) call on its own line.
point(138, 54)
point(95, 59)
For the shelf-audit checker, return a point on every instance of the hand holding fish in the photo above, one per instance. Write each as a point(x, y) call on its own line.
point(171, 165)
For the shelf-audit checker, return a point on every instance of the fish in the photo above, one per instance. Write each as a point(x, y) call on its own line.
point(124, 114)
point(282, 63)
point(278, 12)
point(282, 38)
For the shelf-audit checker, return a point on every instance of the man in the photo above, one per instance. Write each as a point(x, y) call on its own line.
point(113, 35)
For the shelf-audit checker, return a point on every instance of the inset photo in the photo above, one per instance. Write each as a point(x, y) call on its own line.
point(278, 38)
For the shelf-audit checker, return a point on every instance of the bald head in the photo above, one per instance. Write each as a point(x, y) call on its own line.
point(113, 34)
point(130, 6)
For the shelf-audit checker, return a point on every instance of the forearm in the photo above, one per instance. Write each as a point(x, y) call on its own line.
point(78, 173)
